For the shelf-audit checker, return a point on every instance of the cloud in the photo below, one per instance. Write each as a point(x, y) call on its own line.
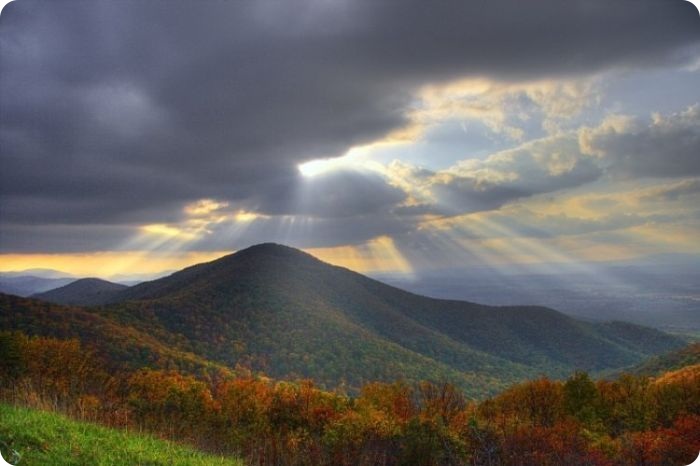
point(620, 146)
point(523, 222)
point(62, 238)
point(536, 167)
point(668, 146)
point(505, 108)
point(672, 192)
point(142, 107)
point(344, 192)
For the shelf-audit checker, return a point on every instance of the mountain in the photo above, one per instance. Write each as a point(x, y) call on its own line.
point(27, 285)
point(135, 278)
point(84, 292)
point(284, 312)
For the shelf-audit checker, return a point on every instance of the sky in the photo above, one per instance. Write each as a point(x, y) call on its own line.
point(386, 136)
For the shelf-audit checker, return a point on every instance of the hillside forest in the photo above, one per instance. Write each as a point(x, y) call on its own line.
point(632, 420)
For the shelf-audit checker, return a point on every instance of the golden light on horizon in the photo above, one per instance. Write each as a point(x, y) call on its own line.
point(377, 255)
point(107, 263)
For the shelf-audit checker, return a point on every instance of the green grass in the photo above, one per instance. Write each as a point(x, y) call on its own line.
point(43, 438)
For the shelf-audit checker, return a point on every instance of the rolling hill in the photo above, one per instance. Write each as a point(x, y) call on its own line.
point(83, 292)
point(281, 311)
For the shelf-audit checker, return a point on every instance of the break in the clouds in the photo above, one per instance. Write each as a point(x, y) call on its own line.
point(118, 117)
point(620, 146)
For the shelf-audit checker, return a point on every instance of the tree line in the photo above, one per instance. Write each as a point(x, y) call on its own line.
point(634, 420)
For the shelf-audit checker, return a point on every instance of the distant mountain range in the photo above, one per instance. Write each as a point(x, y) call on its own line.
point(664, 295)
point(27, 285)
point(35, 281)
point(281, 311)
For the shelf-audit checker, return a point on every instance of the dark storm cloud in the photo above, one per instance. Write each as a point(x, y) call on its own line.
point(333, 194)
point(63, 238)
point(122, 111)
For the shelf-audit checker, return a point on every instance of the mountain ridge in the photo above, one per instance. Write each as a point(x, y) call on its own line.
point(287, 313)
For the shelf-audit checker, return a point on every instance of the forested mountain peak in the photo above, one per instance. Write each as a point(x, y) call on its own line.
point(284, 312)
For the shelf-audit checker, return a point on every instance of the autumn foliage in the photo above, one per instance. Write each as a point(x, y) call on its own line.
point(633, 420)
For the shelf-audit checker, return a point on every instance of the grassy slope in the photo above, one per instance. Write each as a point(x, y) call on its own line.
point(47, 438)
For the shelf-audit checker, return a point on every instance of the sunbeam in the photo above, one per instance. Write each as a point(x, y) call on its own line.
point(377, 255)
